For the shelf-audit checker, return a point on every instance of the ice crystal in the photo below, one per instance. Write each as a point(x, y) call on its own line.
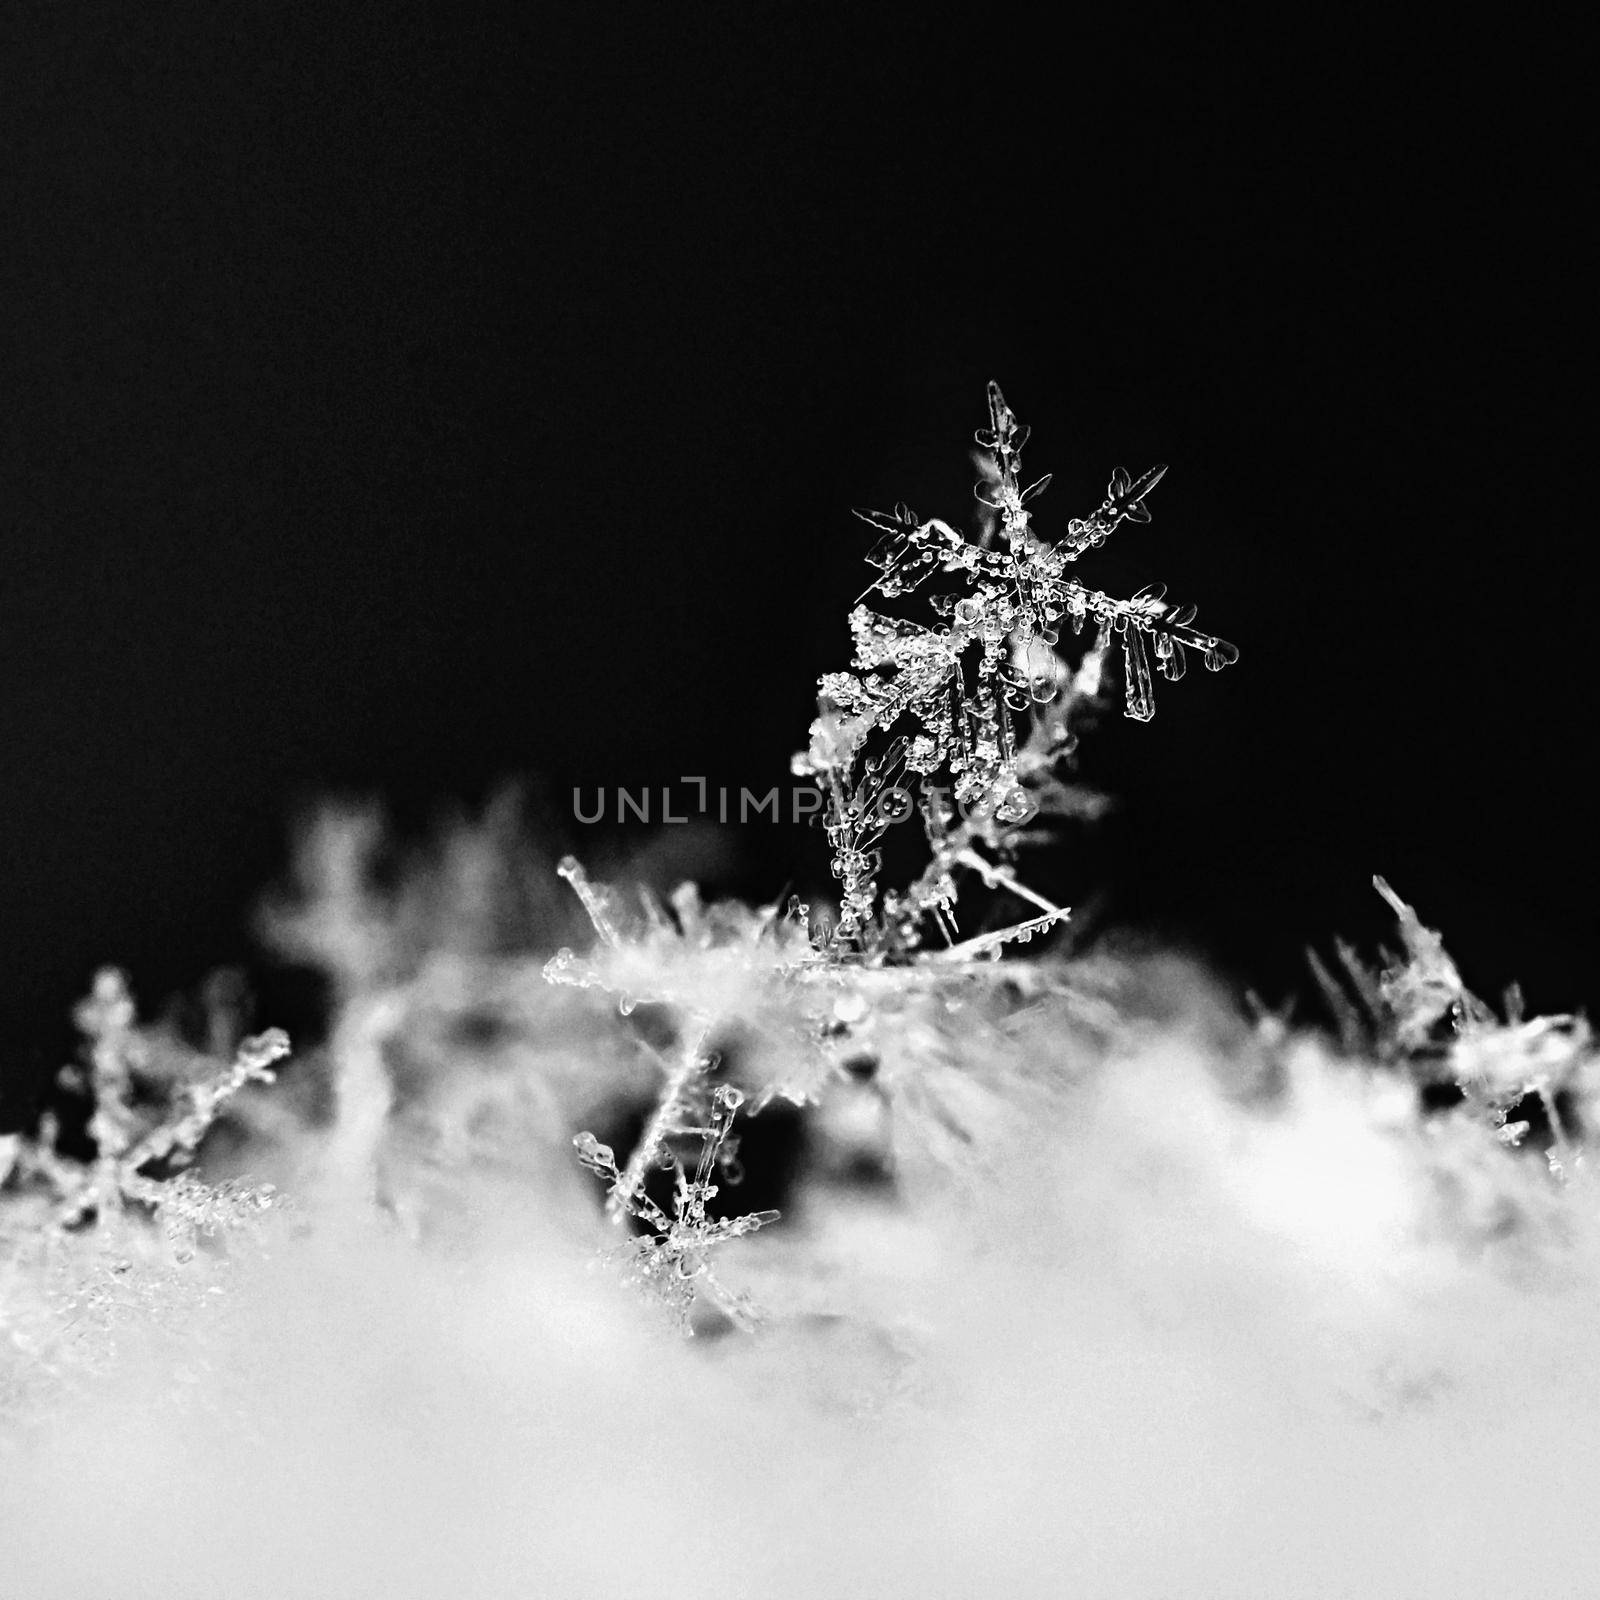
point(672, 1256)
point(98, 1253)
point(1415, 1011)
point(703, 969)
point(123, 1072)
point(963, 684)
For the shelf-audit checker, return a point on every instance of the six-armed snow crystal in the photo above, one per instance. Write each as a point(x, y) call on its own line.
point(963, 683)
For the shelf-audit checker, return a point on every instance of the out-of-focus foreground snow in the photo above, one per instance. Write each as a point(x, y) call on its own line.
point(1152, 1301)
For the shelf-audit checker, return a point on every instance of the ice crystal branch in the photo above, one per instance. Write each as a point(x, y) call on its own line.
point(964, 682)
point(671, 1117)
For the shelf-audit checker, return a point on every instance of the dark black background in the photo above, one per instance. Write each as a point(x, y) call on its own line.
point(396, 404)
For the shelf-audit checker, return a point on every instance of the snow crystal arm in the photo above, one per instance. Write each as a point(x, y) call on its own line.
point(252, 1063)
point(1145, 617)
point(666, 1120)
point(593, 900)
point(992, 943)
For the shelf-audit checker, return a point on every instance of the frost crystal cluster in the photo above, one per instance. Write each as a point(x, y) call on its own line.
point(989, 702)
point(1082, 1276)
point(952, 693)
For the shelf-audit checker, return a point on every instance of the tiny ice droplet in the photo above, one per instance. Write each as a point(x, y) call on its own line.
point(591, 1149)
point(849, 1008)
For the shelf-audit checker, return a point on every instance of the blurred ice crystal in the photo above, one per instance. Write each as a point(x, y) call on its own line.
point(119, 1247)
point(150, 1107)
point(1415, 1011)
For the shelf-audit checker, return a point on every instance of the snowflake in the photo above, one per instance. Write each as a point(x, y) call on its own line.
point(963, 683)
